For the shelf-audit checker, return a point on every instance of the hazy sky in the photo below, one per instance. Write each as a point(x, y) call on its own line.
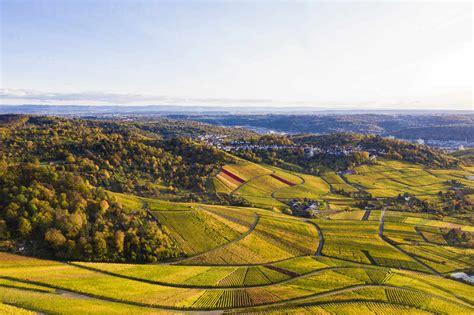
point(328, 54)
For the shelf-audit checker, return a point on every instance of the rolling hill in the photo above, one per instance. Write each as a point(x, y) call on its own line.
point(102, 217)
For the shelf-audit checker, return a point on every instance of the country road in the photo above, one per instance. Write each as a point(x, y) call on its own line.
point(321, 239)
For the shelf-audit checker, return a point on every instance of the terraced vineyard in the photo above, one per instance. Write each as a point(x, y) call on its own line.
point(390, 178)
point(259, 260)
point(265, 265)
point(268, 187)
point(42, 285)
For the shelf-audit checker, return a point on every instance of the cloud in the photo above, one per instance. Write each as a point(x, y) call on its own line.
point(96, 97)
point(27, 96)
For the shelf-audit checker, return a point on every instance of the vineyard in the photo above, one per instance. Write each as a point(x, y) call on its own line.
point(255, 260)
point(267, 186)
point(390, 178)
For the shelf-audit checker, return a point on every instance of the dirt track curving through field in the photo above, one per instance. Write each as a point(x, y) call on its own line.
point(381, 225)
point(417, 230)
point(291, 278)
point(246, 183)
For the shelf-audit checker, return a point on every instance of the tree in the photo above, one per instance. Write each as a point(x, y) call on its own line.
point(119, 239)
point(24, 227)
point(70, 159)
point(11, 211)
point(100, 246)
point(55, 237)
point(103, 206)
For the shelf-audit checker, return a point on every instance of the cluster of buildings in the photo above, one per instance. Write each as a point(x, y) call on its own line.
point(247, 146)
point(337, 150)
point(212, 139)
point(218, 141)
point(305, 208)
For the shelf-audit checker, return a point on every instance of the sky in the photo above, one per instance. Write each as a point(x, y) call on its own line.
point(397, 55)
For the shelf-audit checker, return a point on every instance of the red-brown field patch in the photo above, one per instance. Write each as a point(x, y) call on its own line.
point(282, 180)
point(232, 175)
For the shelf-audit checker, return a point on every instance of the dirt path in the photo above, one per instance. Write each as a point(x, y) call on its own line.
point(73, 294)
point(292, 277)
point(249, 181)
point(272, 195)
point(381, 225)
point(331, 189)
